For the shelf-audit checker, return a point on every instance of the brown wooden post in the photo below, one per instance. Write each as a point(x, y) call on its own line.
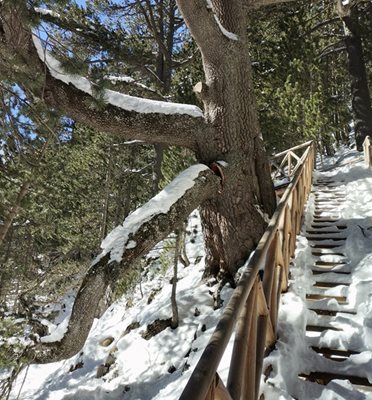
point(262, 330)
point(218, 390)
point(289, 164)
point(236, 380)
point(249, 392)
point(274, 300)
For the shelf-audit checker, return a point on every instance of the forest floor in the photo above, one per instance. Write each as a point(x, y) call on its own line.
point(123, 358)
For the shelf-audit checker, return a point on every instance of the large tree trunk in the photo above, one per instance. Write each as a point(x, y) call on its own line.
point(233, 222)
point(361, 101)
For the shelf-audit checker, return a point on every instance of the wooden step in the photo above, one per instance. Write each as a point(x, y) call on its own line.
point(331, 353)
point(322, 225)
point(319, 253)
point(323, 378)
point(329, 263)
point(327, 200)
point(331, 313)
point(339, 299)
point(330, 268)
point(325, 220)
point(324, 271)
point(318, 328)
point(324, 246)
point(320, 238)
point(329, 284)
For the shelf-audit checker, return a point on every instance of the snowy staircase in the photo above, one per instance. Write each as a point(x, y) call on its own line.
point(328, 297)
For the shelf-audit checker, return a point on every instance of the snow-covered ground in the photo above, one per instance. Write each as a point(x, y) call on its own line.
point(158, 368)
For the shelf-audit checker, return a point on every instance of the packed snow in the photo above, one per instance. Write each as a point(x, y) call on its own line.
point(158, 368)
point(126, 102)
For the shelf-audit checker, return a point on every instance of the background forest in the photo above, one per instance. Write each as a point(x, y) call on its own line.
point(64, 186)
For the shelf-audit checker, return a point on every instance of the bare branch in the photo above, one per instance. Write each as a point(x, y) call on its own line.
point(126, 244)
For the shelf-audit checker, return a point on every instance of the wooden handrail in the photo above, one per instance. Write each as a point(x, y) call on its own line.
point(253, 306)
point(287, 162)
point(300, 146)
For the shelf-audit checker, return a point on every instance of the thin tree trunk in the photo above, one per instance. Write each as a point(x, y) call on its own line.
point(174, 321)
point(106, 200)
point(13, 212)
point(182, 257)
point(157, 172)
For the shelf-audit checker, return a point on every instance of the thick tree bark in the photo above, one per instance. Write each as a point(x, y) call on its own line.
point(361, 100)
point(231, 222)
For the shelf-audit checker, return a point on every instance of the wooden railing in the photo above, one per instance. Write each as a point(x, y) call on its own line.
point(286, 163)
point(252, 311)
point(367, 148)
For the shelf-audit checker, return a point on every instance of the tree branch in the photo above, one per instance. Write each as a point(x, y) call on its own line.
point(140, 231)
point(97, 35)
point(134, 118)
point(263, 3)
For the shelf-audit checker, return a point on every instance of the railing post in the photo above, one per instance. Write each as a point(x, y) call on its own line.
point(218, 390)
point(367, 151)
point(289, 163)
point(236, 381)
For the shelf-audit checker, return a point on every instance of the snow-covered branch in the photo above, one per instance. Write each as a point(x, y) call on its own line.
point(133, 117)
point(126, 102)
point(140, 231)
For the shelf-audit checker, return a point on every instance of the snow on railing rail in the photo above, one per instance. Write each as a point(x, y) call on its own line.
point(252, 311)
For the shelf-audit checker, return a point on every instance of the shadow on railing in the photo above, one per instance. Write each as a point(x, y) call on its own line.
point(252, 311)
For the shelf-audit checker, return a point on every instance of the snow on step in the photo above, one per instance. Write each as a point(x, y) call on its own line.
point(329, 304)
point(340, 290)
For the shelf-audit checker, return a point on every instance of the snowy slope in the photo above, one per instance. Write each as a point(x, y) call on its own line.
point(157, 368)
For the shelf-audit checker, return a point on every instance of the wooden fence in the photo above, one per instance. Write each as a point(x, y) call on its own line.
point(286, 163)
point(252, 311)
